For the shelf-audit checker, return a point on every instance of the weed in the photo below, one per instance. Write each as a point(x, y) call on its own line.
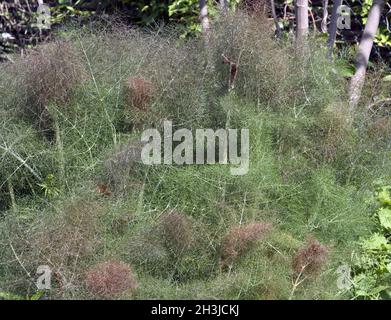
point(240, 239)
point(311, 259)
point(110, 279)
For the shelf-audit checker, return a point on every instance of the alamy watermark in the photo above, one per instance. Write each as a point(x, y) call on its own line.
point(45, 277)
point(178, 147)
point(344, 20)
point(43, 17)
point(344, 280)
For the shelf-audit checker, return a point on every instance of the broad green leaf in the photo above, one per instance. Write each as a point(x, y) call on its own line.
point(387, 78)
point(363, 284)
point(385, 218)
point(36, 296)
point(376, 242)
point(10, 296)
point(345, 69)
point(383, 196)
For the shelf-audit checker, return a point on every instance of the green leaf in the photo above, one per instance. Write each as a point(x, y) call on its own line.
point(383, 196)
point(10, 296)
point(385, 218)
point(387, 78)
point(345, 69)
point(36, 296)
point(376, 242)
point(363, 284)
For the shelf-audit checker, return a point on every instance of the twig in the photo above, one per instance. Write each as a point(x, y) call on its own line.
point(378, 102)
point(297, 282)
point(233, 70)
point(22, 161)
point(21, 264)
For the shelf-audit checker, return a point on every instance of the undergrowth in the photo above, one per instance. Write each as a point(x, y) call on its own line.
point(75, 196)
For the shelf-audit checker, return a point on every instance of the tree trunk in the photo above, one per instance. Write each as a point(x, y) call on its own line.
point(333, 27)
point(364, 51)
point(275, 18)
point(301, 20)
point(325, 16)
point(204, 18)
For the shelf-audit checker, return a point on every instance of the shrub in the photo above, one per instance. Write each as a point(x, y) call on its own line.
point(177, 231)
point(120, 224)
point(309, 172)
point(371, 265)
point(110, 279)
point(24, 160)
point(145, 251)
point(67, 240)
point(334, 133)
point(256, 6)
point(311, 259)
point(174, 247)
point(138, 94)
point(240, 239)
point(262, 66)
point(50, 73)
point(120, 164)
point(379, 129)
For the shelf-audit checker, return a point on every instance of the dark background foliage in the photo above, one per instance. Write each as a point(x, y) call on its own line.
point(17, 18)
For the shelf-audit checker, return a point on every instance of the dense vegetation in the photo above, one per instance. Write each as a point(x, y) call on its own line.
point(18, 18)
point(74, 195)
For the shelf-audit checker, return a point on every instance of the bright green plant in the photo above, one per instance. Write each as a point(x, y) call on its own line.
point(372, 277)
point(49, 187)
point(11, 296)
point(186, 12)
point(383, 37)
point(64, 10)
